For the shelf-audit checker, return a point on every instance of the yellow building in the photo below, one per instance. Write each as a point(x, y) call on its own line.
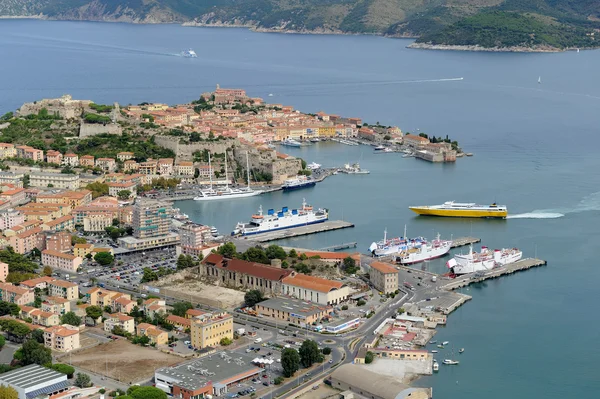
point(63, 338)
point(103, 297)
point(127, 323)
point(82, 250)
point(210, 328)
point(157, 336)
point(384, 277)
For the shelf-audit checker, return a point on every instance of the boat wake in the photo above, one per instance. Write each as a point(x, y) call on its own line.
point(536, 215)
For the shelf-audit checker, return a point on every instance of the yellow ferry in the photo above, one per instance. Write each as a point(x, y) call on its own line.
point(462, 210)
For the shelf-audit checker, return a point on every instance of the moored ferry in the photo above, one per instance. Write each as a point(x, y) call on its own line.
point(284, 219)
point(464, 210)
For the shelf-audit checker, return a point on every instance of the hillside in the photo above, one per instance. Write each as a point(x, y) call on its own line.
point(488, 23)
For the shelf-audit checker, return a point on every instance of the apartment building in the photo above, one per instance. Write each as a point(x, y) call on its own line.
point(54, 304)
point(115, 188)
point(193, 238)
point(63, 223)
point(14, 196)
point(59, 260)
point(157, 335)
point(122, 320)
point(148, 168)
point(179, 322)
point(16, 179)
point(208, 329)
point(82, 250)
point(71, 159)
point(73, 198)
point(10, 218)
point(63, 289)
point(106, 164)
point(63, 338)
point(58, 180)
point(124, 156)
point(40, 282)
point(384, 277)
point(131, 165)
point(59, 241)
point(86, 160)
point(54, 157)
point(184, 168)
point(24, 242)
point(39, 316)
point(7, 150)
point(27, 152)
point(97, 223)
point(3, 271)
point(14, 294)
point(103, 297)
point(153, 306)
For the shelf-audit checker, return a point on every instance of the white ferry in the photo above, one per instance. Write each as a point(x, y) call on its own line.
point(422, 250)
point(284, 219)
point(298, 182)
point(484, 260)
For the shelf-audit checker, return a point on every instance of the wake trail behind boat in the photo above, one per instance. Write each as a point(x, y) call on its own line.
point(536, 215)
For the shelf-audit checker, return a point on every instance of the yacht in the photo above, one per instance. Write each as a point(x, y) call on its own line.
point(227, 192)
point(450, 362)
point(189, 54)
point(354, 169)
point(313, 166)
point(291, 143)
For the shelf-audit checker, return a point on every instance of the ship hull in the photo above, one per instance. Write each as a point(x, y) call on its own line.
point(460, 213)
point(227, 196)
point(299, 186)
point(244, 234)
point(426, 254)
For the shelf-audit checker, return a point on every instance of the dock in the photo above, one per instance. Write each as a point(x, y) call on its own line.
point(345, 245)
point(462, 241)
point(467, 279)
point(300, 231)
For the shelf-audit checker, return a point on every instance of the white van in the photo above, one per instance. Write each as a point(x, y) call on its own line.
point(258, 340)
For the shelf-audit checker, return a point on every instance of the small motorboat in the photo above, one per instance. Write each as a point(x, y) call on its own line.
point(450, 362)
point(441, 346)
point(436, 366)
point(434, 351)
point(432, 342)
point(445, 342)
point(461, 350)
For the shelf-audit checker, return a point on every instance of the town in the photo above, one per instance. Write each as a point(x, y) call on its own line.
point(109, 290)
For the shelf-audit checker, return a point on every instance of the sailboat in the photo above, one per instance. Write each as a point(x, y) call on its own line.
point(540, 80)
point(228, 192)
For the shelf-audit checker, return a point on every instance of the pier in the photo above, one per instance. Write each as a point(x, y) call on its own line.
point(345, 245)
point(462, 241)
point(300, 231)
point(523, 264)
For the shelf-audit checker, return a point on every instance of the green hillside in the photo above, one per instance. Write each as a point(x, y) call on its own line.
point(488, 23)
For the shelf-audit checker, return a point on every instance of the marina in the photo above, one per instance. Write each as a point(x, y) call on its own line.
point(329, 225)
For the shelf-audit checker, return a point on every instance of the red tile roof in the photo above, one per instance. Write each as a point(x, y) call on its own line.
point(250, 268)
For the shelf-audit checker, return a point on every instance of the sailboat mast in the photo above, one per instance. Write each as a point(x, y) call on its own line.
point(248, 169)
point(210, 171)
point(226, 179)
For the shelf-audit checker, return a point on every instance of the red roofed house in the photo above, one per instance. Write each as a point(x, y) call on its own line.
point(179, 322)
point(315, 289)
point(244, 274)
point(415, 141)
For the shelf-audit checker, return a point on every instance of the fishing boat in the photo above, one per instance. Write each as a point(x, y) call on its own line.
point(465, 210)
point(284, 219)
point(227, 192)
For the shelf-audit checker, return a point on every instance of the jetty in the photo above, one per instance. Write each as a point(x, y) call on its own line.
point(339, 247)
point(462, 241)
point(330, 225)
point(467, 279)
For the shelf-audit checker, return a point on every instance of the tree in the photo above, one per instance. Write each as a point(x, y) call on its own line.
point(185, 261)
point(70, 318)
point(369, 357)
point(278, 380)
point(225, 341)
point(38, 335)
point(309, 353)
point(35, 353)
point(148, 393)
point(326, 350)
point(349, 265)
point(77, 240)
point(228, 250)
point(104, 258)
point(290, 361)
point(9, 308)
point(253, 297)
point(93, 312)
point(256, 254)
point(82, 380)
point(47, 271)
point(7, 392)
point(98, 189)
point(36, 253)
point(141, 340)
point(275, 252)
point(64, 368)
point(149, 275)
point(124, 194)
point(180, 308)
point(293, 254)
point(2, 342)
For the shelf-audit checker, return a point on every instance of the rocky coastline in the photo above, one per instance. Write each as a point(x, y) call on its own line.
point(512, 49)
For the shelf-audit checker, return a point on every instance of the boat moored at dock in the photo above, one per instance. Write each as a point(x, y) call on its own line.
point(354, 169)
point(284, 219)
point(291, 143)
point(298, 182)
point(465, 210)
point(485, 260)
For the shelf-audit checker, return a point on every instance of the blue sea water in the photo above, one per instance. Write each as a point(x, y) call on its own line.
point(535, 145)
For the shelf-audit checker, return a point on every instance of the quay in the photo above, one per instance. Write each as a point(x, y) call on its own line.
point(345, 245)
point(300, 231)
point(462, 241)
point(523, 264)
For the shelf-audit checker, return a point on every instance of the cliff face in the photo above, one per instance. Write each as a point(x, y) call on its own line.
point(440, 22)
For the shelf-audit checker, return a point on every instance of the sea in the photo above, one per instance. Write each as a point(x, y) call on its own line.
point(535, 145)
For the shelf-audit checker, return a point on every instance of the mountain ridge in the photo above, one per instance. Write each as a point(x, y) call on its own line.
point(434, 22)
